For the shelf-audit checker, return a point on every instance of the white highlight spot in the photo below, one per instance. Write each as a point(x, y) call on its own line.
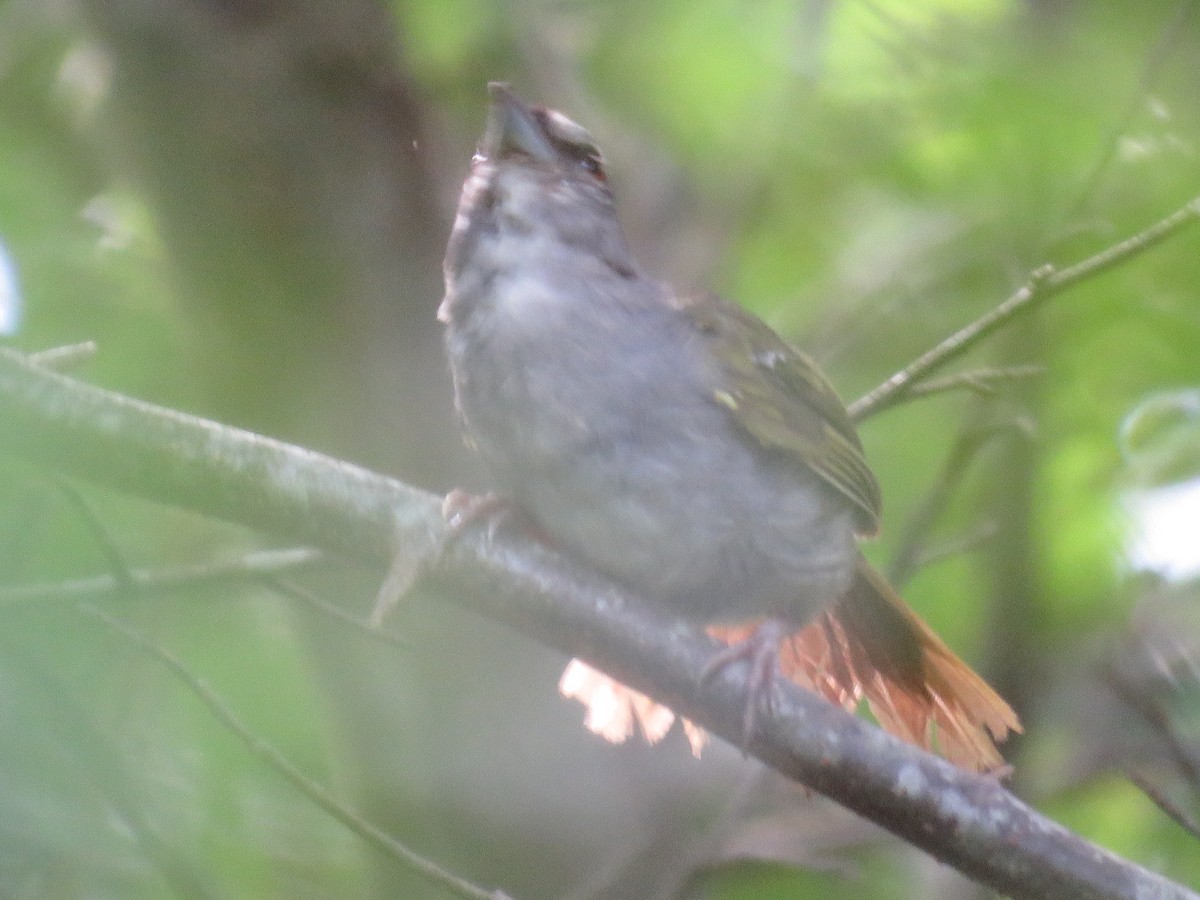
point(10, 293)
point(1165, 530)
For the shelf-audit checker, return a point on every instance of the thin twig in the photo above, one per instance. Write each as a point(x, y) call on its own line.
point(123, 580)
point(971, 441)
point(374, 633)
point(977, 537)
point(262, 566)
point(1170, 34)
point(72, 736)
point(374, 836)
point(1043, 283)
point(981, 381)
point(1172, 809)
point(1142, 701)
point(66, 356)
point(252, 565)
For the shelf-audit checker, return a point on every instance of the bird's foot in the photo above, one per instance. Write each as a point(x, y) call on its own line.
point(459, 510)
point(761, 651)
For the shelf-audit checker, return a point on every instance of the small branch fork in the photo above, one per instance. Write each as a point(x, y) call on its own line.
point(1043, 284)
point(968, 821)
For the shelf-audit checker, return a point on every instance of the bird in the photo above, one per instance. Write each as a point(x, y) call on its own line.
point(675, 443)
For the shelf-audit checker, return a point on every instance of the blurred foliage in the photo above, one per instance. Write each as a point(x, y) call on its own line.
point(868, 176)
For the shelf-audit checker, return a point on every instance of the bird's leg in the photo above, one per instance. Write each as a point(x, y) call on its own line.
point(459, 510)
point(761, 651)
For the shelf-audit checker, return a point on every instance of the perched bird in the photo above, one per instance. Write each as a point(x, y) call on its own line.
point(677, 444)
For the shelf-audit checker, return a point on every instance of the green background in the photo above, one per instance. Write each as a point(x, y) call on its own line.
point(245, 203)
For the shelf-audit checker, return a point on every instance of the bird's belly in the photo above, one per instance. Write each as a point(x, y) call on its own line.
point(678, 506)
point(723, 543)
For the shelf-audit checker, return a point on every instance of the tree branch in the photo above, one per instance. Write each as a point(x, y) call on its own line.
point(980, 381)
point(1171, 809)
point(968, 821)
point(319, 795)
point(259, 564)
point(1043, 283)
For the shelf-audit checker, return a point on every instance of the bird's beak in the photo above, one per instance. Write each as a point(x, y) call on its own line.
point(512, 126)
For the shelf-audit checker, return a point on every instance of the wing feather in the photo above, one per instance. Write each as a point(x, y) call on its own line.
point(783, 401)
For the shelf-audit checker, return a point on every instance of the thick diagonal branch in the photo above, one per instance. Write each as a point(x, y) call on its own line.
point(968, 821)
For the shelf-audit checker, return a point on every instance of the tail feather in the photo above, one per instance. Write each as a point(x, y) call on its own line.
point(877, 648)
point(868, 646)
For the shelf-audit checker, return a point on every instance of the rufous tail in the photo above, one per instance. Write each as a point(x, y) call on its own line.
point(870, 645)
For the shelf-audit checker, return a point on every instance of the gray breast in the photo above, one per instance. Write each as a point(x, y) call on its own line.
point(590, 399)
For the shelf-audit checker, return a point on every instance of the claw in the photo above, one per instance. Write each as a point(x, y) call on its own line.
point(761, 651)
point(461, 510)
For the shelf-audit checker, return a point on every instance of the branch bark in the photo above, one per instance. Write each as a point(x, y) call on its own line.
point(968, 821)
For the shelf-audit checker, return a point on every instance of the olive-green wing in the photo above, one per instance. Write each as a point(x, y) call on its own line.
point(782, 400)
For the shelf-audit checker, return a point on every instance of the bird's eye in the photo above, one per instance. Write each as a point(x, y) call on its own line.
point(592, 165)
point(573, 141)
